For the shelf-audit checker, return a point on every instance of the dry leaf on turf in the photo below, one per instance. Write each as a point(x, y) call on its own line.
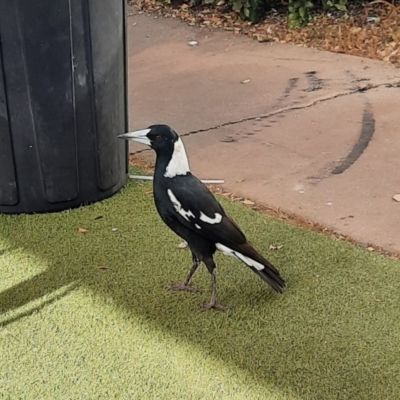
point(248, 202)
point(182, 245)
point(82, 230)
point(246, 81)
point(273, 247)
point(148, 191)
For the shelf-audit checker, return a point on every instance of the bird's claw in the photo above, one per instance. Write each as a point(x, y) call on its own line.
point(176, 287)
point(214, 306)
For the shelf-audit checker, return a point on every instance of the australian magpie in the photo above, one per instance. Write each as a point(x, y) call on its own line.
point(193, 213)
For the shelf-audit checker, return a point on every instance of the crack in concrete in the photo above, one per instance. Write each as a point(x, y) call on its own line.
point(359, 89)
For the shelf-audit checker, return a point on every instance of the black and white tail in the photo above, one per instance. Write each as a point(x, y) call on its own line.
point(261, 266)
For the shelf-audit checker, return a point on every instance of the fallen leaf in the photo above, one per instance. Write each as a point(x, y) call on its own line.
point(248, 202)
point(103, 268)
point(148, 191)
point(246, 81)
point(396, 197)
point(273, 247)
point(114, 229)
point(98, 217)
point(182, 245)
point(370, 248)
point(82, 230)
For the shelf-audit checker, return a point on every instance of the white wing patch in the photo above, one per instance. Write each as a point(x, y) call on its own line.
point(226, 250)
point(197, 226)
point(248, 261)
point(179, 164)
point(178, 206)
point(216, 220)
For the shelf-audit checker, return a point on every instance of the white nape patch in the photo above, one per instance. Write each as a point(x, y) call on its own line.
point(216, 220)
point(179, 164)
point(248, 261)
point(197, 226)
point(178, 206)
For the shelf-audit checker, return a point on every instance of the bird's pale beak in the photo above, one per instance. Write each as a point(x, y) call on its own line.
point(137, 136)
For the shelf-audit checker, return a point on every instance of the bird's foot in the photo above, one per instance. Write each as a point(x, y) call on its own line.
point(213, 305)
point(176, 287)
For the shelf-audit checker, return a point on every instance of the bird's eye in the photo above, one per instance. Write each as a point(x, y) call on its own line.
point(158, 137)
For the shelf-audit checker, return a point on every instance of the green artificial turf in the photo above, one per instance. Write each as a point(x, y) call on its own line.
point(85, 315)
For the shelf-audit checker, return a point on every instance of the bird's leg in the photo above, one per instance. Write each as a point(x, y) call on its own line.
point(185, 285)
point(213, 302)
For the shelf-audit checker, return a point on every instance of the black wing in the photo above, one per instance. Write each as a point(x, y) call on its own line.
point(201, 212)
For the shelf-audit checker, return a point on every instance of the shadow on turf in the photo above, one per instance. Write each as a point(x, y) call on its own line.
point(302, 342)
point(22, 294)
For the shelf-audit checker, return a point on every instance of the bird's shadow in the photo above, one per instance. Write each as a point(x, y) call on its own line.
point(301, 342)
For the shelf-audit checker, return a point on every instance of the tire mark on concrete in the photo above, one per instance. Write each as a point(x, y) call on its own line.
point(292, 82)
point(354, 80)
point(367, 132)
point(314, 83)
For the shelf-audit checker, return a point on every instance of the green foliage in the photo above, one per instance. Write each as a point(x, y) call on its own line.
point(248, 9)
point(299, 10)
point(254, 10)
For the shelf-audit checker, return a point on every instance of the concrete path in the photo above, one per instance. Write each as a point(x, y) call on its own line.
point(314, 133)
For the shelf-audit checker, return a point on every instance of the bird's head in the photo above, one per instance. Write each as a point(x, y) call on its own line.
point(158, 137)
point(167, 144)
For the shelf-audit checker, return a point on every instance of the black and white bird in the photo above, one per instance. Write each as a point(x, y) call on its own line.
point(193, 213)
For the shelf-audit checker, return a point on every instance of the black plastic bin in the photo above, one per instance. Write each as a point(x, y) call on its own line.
point(62, 103)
